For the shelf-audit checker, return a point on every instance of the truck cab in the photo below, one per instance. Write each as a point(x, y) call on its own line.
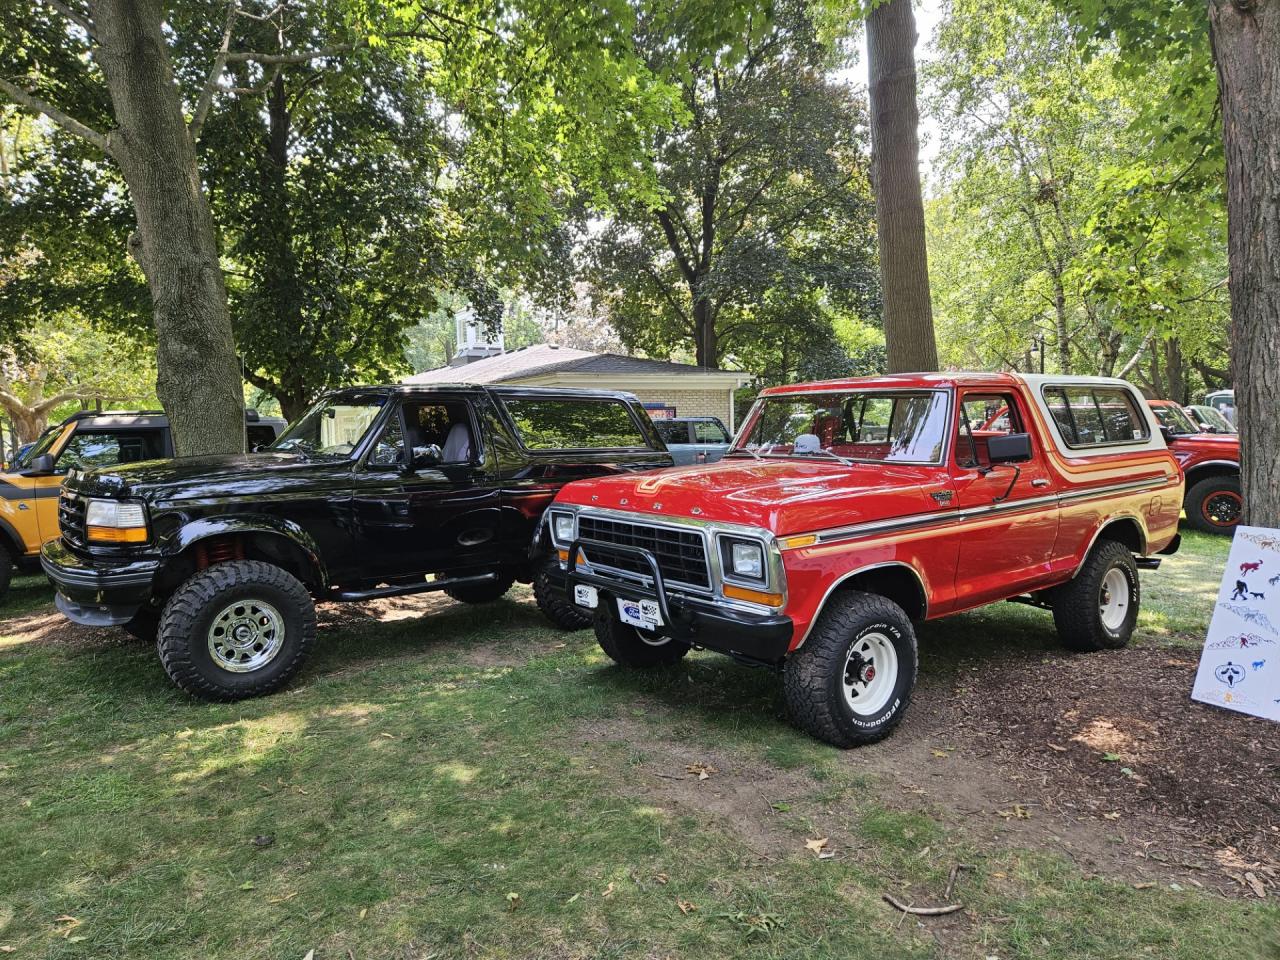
point(847, 510)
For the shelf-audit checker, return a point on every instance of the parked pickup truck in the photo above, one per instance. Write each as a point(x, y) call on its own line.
point(1211, 466)
point(375, 492)
point(847, 510)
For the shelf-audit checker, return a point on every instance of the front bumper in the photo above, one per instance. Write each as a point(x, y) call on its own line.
point(96, 595)
point(761, 638)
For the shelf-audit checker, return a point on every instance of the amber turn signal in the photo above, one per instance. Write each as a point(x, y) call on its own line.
point(752, 596)
point(804, 540)
point(117, 534)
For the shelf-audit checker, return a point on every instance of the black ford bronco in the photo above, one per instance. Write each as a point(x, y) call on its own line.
point(375, 492)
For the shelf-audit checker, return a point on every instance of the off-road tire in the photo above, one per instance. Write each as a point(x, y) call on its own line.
point(485, 592)
point(1076, 604)
point(182, 638)
point(144, 625)
point(1198, 496)
point(553, 602)
point(6, 572)
point(625, 646)
point(813, 676)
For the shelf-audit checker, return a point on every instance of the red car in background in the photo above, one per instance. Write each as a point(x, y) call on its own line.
point(1211, 464)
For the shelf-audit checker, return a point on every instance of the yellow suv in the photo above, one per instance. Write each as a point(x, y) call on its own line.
point(29, 489)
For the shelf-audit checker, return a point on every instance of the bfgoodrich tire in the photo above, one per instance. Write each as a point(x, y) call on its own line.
point(553, 603)
point(851, 681)
point(1214, 504)
point(236, 630)
point(485, 592)
point(6, 572)
point(630, 647)
point(1099, 608)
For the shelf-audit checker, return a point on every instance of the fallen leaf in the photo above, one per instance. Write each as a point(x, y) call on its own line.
point(364, 912)
point(513, 901)
point(310, 955)
point(661, 878)
point(263, 840)
point(1019, 812)
point(1058, 748)
point(941, 754)
point(608, 891)
point(1143, 886)
point(817, 846)
point(285, 899)
point(703, 770)
point(1111, 757)
point(389, 736)
point(573, 898)
point(1255, 885)
point(1111, 816)
point(5, 948)
point(685, 906)
point(247, 885)
point(76, 939)
point(65, 918)
point(781, 806)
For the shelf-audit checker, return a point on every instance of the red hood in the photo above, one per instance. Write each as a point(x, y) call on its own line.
point(1218, 444)
point(783, 496)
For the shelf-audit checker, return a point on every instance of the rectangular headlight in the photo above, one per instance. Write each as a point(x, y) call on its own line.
point(742, 559)
point(115, 521)
point(562, 528)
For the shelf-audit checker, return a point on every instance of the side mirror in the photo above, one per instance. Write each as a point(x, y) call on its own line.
point(1011, 448)
point(39, 466)
point(428, 456)
point(1167, 433)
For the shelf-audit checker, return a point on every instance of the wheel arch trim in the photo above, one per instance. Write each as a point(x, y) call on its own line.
point(845, 578)
point(201, 530)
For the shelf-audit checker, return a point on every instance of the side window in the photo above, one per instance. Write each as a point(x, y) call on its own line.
point(443, 424)
point(258, 436)
point(1096, 416)
point(709, 431)
point(89, 451)
point(388, 449)
point(672, 431)
point(556, 423)
point(982, 416)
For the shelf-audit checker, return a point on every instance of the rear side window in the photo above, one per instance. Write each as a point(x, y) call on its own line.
point(1090, 416)
point(559, 423)
point(709, 431)
point(672, 431)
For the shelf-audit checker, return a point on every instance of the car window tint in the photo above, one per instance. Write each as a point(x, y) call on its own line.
point(388, 449)
point(709, 431)
point(1096, 416)
point(672, 431)
point(554, 423)
point(90, 451)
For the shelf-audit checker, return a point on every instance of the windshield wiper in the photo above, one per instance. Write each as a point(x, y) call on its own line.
point(747, 451)
point(826, 453)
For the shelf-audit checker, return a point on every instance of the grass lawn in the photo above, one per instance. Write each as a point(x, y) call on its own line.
point(451, 781)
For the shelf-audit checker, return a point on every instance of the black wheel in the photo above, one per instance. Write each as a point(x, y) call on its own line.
point(236, 630)
point(144, 625)
point(553, 603)
point(851, 681)
point(6, 572)
point(1099, 608)
point(1215, 504)
point(480, 592)
point(631, 647)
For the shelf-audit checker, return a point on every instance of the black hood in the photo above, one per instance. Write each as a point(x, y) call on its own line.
point(195, 478)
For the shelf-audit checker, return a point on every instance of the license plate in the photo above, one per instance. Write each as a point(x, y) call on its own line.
point(585, 596)
point(640, 613)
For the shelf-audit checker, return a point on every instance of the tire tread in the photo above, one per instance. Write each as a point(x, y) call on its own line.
point(1075, 603)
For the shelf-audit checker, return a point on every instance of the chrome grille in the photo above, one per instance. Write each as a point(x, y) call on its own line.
point(71, 512)
point(681, 554)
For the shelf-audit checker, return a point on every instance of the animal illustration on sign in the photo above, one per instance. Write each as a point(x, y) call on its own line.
point(1251, 567)
point(1274, 580)
point(1266, 541)
point(1251, 615)
point(1230, 673)
point(1259, 664)
point(1257, 596)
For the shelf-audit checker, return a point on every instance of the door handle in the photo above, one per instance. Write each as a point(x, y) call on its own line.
point(1040, 482)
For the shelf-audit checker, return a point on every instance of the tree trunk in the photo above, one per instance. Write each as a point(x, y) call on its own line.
point(704, 322)
point(895, 174)
point(198, 378)
point(1246, 48)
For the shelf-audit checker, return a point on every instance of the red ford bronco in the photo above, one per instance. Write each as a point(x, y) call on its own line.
point(846, 510)
point(1211, 466)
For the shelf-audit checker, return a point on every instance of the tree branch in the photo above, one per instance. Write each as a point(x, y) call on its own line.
point(70, 124)
point(79, 20)
point(1137, 355)
point(215, 73)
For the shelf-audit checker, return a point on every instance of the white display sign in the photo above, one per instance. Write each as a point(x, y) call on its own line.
point(1240, 664)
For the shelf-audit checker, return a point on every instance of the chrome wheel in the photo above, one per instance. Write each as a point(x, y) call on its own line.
point(870, 673)
point(246, 636)
point(1113, 603)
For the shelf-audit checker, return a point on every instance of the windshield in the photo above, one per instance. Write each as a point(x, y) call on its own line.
point(1211, 417)
point(41, 446)
point(1175, 419)
point(333, 428)
point(900, 427)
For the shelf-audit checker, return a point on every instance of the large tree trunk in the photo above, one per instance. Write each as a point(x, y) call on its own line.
point(895, 174)
point(1246, 47)
point(198, 378)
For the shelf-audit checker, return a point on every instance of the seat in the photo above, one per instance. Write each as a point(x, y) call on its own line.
point(457, 446)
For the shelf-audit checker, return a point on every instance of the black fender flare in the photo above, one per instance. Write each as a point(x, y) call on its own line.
point(9, 538)
point(249, 524)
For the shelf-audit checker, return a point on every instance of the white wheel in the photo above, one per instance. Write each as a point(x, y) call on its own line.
point(1113, 600)
point(870, 674)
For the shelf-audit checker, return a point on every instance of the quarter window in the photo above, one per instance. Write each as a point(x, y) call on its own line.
point(1096, 416)
point(555, 423)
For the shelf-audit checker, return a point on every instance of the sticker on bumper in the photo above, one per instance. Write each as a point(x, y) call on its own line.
point(640, 613)
point(585, 596)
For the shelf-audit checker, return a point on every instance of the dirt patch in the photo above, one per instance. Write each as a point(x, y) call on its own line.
point(48, 627)
point(1079, 752)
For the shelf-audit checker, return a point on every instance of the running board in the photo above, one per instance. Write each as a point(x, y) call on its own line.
point(405, 589)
